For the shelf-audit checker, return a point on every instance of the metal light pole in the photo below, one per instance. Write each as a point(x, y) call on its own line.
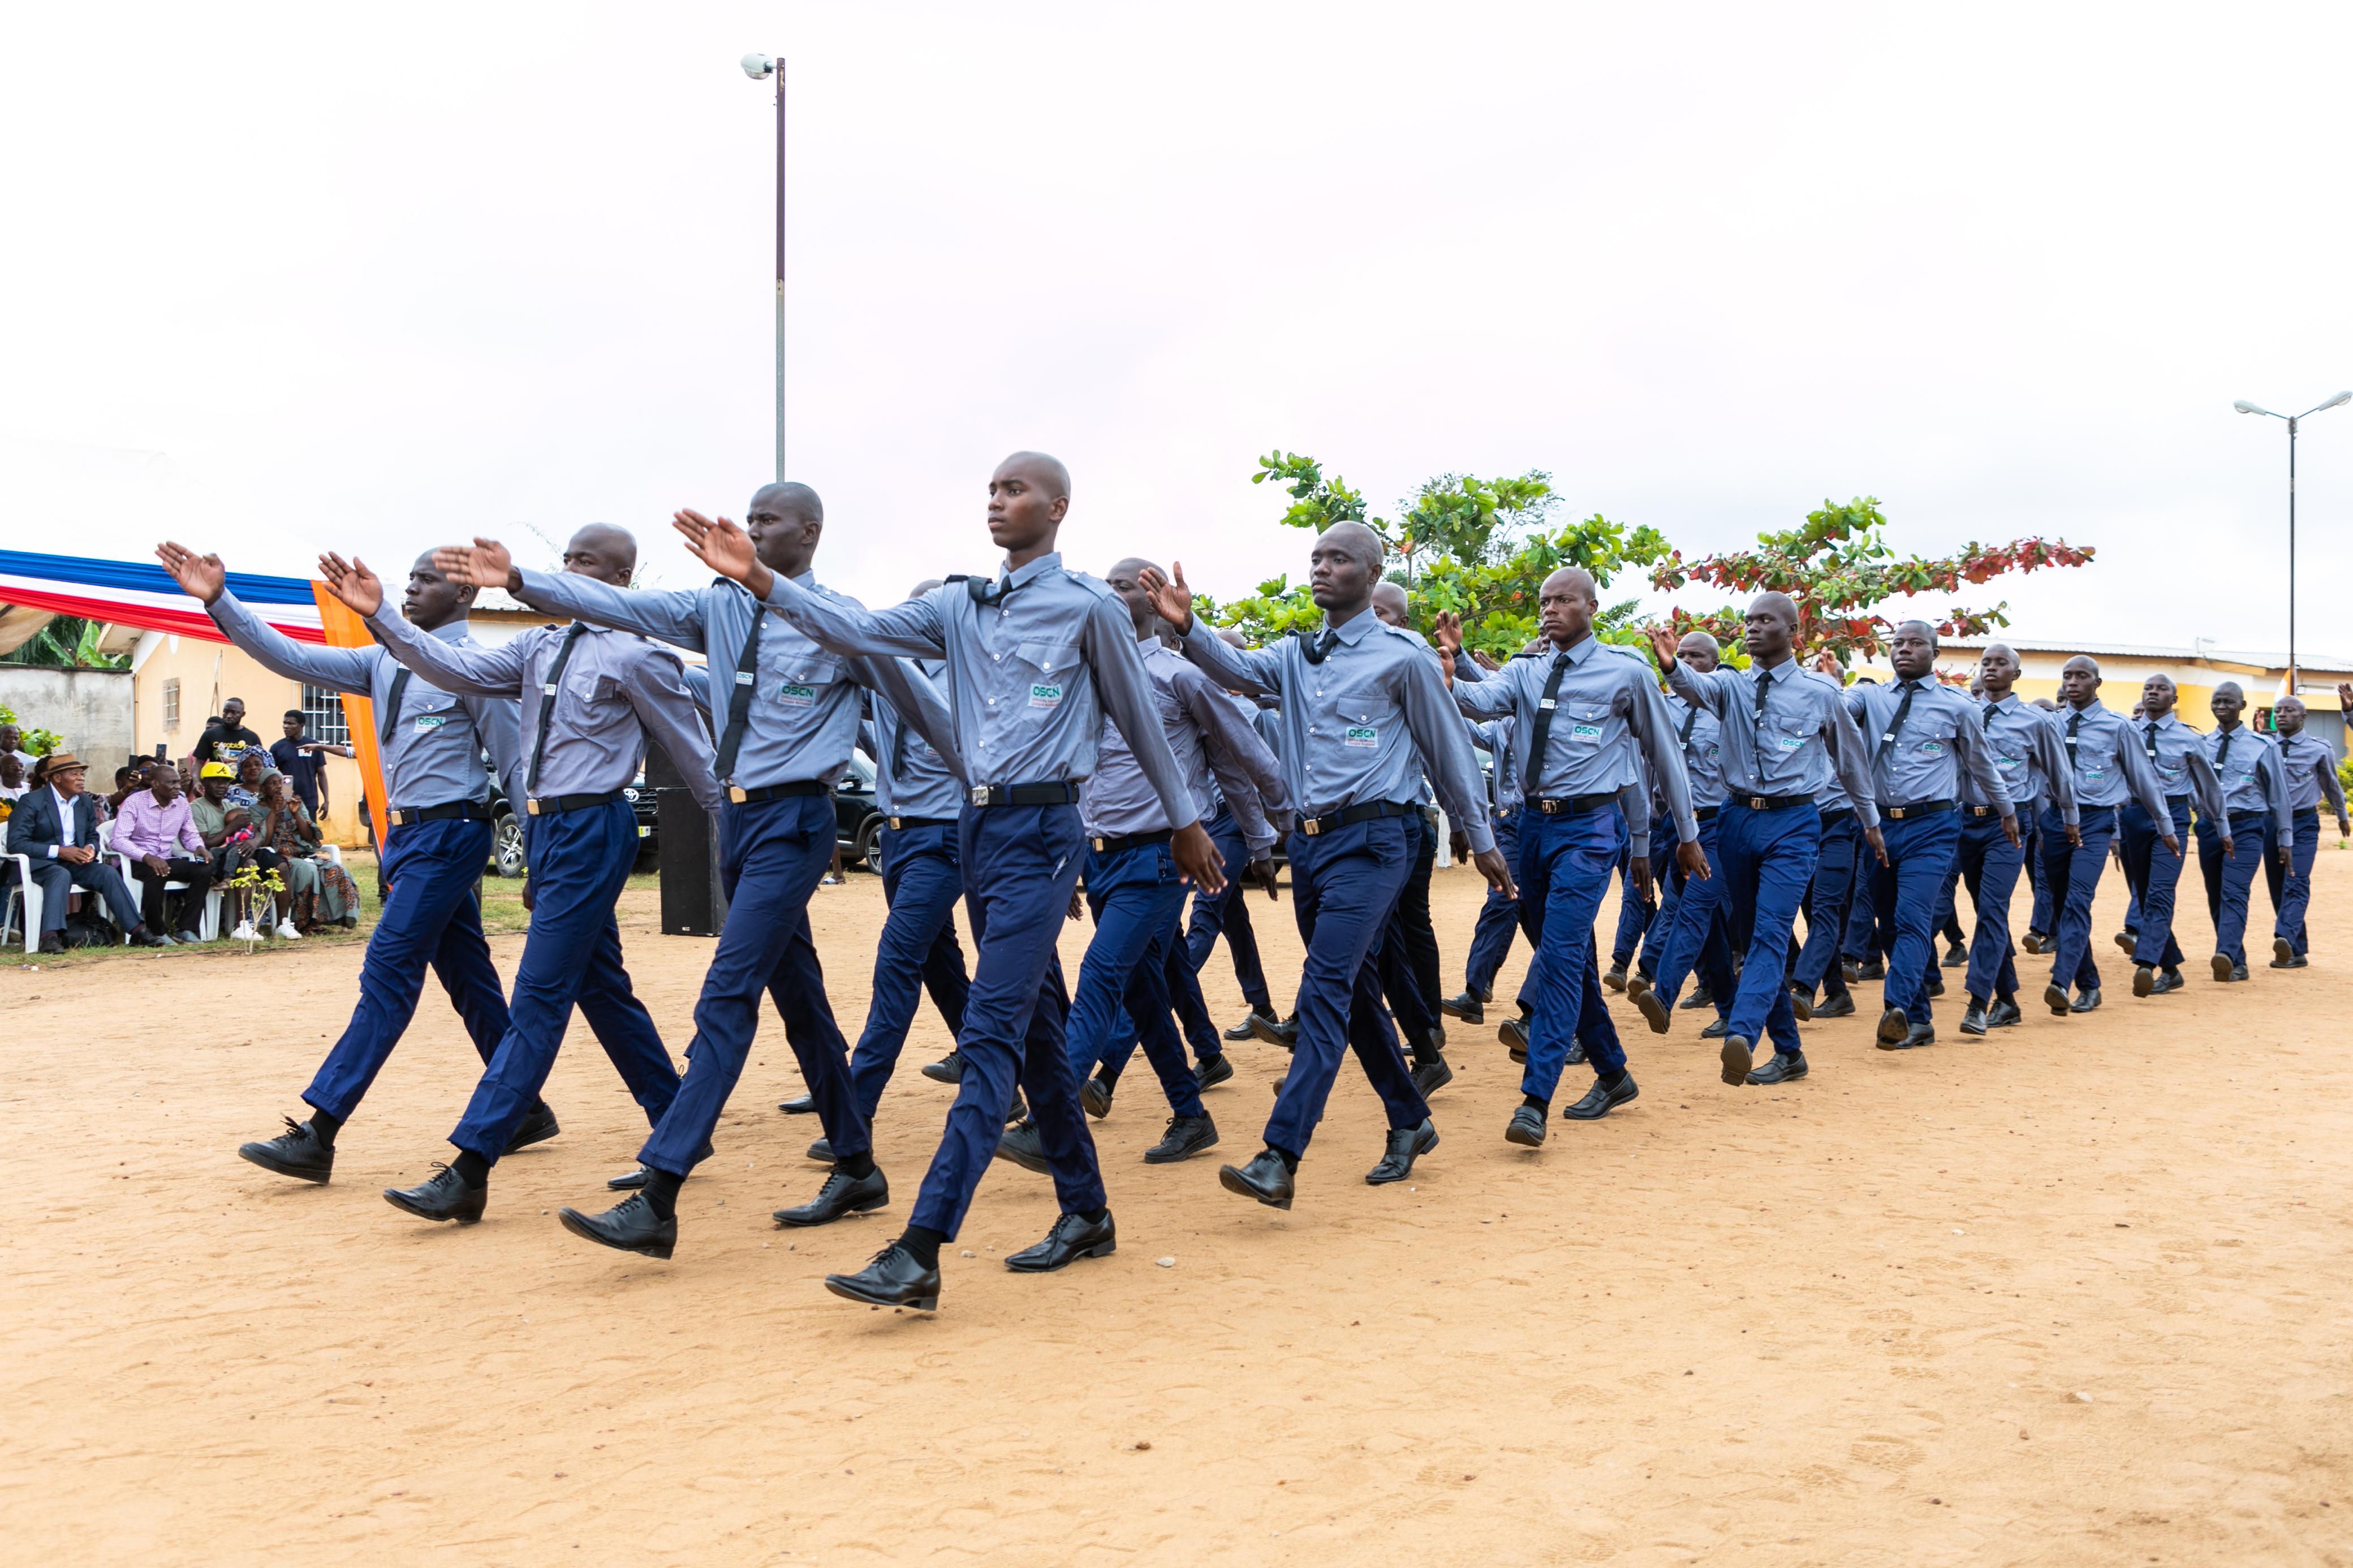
point(759, 66)
point(2243, 407)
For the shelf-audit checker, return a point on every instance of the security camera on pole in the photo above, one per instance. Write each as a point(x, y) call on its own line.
point(758, 67)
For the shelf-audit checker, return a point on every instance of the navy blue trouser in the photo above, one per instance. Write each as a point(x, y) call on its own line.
point(1225, 912)
point(922, 881)
point(1768, 858)
point(1565, 865)
point(1919, 853)
point(771, 855)
point(1499, 917)
point(1407, 956)
point(2038, 874)
point(2155, 875)
point(2230, 879)
point(1689, 932)
point(2291, 885)
point(1344, 888)
point(1989, 865)
point(1136, 897)
point(1830, 897)
point(1635, 911)
point(580, 860)
point(2073, 874)
point(1020, 864)
point(431, 915)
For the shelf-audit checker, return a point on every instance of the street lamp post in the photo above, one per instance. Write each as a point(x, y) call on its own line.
point(2243, 407)
point(758, 67)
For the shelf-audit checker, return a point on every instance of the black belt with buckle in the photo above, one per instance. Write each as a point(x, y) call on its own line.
point(901, 824)
point(549, 805)
point(1706, 813)
point(1837, 814)
point(798, 788)
point(1771, 802)
point(1349, 815)
point(1059, 792)
point(1571, 805)
point(456, 810)
point(1981, 810)
point(1133, 841)
point(1914, 808)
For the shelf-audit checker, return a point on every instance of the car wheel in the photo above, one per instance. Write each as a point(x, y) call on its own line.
point(869, 844)
point(506, 847)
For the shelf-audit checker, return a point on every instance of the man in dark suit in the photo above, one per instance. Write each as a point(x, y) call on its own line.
point(57, 826)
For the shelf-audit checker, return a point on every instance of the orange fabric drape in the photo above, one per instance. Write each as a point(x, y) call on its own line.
point(345, 629)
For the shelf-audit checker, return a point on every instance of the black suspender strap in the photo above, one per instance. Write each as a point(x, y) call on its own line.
point(739, 701)
point(390, 719)
point(547, 701)
point(1902, 711)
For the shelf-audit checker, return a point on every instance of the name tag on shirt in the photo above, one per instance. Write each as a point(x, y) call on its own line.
point(1791, 742)
point(1361, 735)
point(2006, 763)
point(1585, 731)
point(1932, 748)
point(793, 695)
point(429, 721)
point(1045, 694)
point(2092, 773)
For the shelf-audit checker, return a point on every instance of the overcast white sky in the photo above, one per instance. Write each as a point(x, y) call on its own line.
point(304, 276)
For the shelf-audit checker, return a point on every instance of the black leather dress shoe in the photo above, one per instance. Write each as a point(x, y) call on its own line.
point(1265, 1178)
point(1600, 1100)
point(949, 1069)
point(822, 1151)
point(1935, 986)
point(1701, 997)
point(630, 1225)
point(1407, 1144)
point(2056, 1000)
point(1654, 1012)
point(1471, 1007)
point(842, 1194)
point(2238, 972)
point(537, 1127)
point(1576, 1054)
point(1922, 1034)
point(1285, 1034)
point(143, 937)
point(2144, 980)
point(295, 1153)
point(2167, 979)
point(1973, 1022)
point(2087, 1003)
point(1716, 1028)
point(1839, 1007)
point(1642, 980)
point(2036, 941)
point(1737, 1056)
point(2222, 966)
point(1432, 1075)
point(1786, 1067)
point(893, 1279)
point(53, 942)
point(1071, 1237)
point(634, 1181)
point(1211, 1072)
point(1186, 1136)
point(1513, 1033)
point(2127, 938)
point(2282, 951)
point(1893, 1026)
point(1244, 1031)
point(2294, 960)
point(1527, 1128)
point(1873, 969)
point(2003, 1013)
point(1801, 1003)
point(1851, 969)
point(1616, 978)
point(442, 1195)
point(1096, 1092)
point(1022, 1145)
point(1956, 957)
point(805, 1104)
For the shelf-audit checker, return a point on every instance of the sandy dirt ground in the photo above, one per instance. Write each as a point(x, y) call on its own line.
point(2074, 1295)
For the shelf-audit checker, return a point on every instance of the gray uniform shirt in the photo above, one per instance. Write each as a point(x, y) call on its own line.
point(1701, 735)
point(1605, 707)
point(618, 692)
point(2105, 764)
point(1209, 739)
point(911, 777)
point(1363, 725)
point(2173, 749)
point(1030, 674)
point(2311, 769)
point(1923, 759)
point(1803, 737)
point(2253, 776)
point(1499, 738)
point(2028, 754)
point(802, 719)
point(432, 747)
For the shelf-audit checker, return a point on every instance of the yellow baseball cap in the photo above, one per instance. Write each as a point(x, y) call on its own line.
point(218, 771)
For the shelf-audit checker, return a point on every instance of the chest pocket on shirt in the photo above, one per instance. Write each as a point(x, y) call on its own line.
point(1581, 722)
point(1053, 671)
point(423, 710)
point(803, 680)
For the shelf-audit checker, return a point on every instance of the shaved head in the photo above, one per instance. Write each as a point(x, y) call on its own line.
point(1576, 578)
point(1389, 603)
point(1780, 605)
point(2233, 688)
point(1131, 567)
point(1920, 628)
point(1042, 470)
point(1363, 546)
point(1231, 636)
point(2082, 664)
point(788, 497)
point(603, 551)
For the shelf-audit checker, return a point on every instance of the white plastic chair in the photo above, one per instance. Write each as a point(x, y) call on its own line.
point(207, 923)
point(26, 896)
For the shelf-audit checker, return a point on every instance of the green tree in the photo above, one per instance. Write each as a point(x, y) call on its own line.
point(67, 642)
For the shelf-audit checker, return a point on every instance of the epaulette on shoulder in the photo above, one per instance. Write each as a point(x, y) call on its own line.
point(1096, 585)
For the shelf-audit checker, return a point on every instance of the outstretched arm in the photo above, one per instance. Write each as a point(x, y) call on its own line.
point(203, 578)
point(1255, 671)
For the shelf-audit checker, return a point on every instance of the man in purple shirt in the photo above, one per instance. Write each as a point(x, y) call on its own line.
point(154, 828)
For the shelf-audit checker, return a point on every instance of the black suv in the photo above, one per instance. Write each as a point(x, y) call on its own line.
point(856, 822)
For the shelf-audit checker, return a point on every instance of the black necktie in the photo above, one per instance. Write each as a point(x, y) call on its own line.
point(1902, 711)
point(547, 699)
point(1316, 650)
point(392, 706)
point(2074, 723)
point(2152, 740)
point(739, 701)
point(1764, 680)
point(2223, 757)
point(1544, 720)
point(1690, 717)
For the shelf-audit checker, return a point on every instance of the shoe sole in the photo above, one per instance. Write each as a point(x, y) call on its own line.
point(1265, 1034)
point(254, 1155)
point(1517, 1133)
point(1977, 1034)
point(522, 1142)
point(1802, 1007)
point(1097, 1105)
point(2144, 982)
point(1654, 1012)
point(2283, 950)
point(1214, 1080)
point(1027, 1162)
point(2035, 944)
point(1738, 1060)
point(841, 1287)
point(1476, 1015)
point(785, 1220)
point(2222, 967)
point(1231, 1180)
point(1445, 1076)
point(1614, 980)
point(1892, 1027)
point(2126, 941)
point(2056, 1000)
point(811, 1152)
point(1101, 1249)
point(797, 1107)
point(577, 1224)
point(393, 1197)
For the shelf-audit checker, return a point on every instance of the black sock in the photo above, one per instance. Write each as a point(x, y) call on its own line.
point(1610, 1079)
point(472, 1170)
point(1977, 1002)
point(661, 1193)
point(922, 1243)
point(1094, 1216)
point(324, 1127)
point(2008, 996)
point(1535, 1102)
point(1290, 1161)
point(861, 1165)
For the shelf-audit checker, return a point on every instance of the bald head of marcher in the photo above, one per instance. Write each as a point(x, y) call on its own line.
point(1770, 627)
point(784, 521)
point(1389, 603)
point(1565, 606)
point(433, 599)
point(924, 587)
point(601, 551)
point(1997, 669)
point(1342, 569)
point(1029, 496)
point(1124, 578)
point(1699, 650)
point(2079, 681)
point(2229, 702)
point(1231, 636)
point(2157, 696)
point(1912, 650)
point(2287, 717)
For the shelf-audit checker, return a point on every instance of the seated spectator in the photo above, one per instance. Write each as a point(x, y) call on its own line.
point(226, 740)
point(303, 761)
point(230, 836)
point(57, 826)
point(13, 788)
point(156, 829)
point(318, 892)
point(12, 743)
point(128, 782)
point(245, 789)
